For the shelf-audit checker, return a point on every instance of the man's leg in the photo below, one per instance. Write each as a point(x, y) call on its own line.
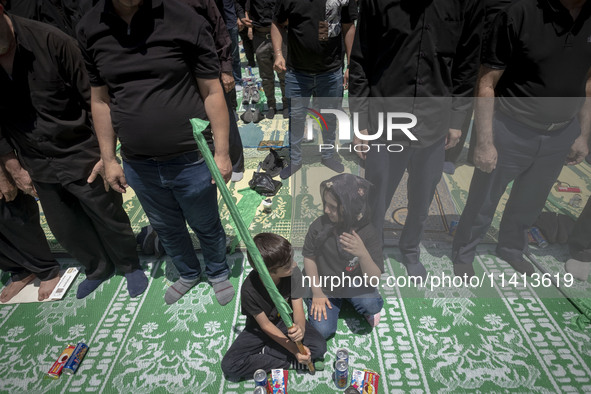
point(166, 216)
point(384, 170)
point(235, 142)
point(529, 193)
point(190, 182)
point(74, 230)
point(298, 91)
point(111, 223)
point(424, 173)
point(236, 71)
point(369, 306)
point(579, 245)
point(265, 59)
point(516, 153)
point(329, 91)
point(248, 47)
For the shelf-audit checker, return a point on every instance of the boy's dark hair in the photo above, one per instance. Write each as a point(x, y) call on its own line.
point(275, 250)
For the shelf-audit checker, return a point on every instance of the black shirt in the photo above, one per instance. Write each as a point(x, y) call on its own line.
point(324, 251)
point(150, 71)
point(306, 51)
point(63, 14)
point(255, 298)
point(260, 12)
point(419, 49)
point(544, 54)
point(44, 107)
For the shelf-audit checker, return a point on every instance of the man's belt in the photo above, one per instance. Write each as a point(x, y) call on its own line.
point(538, 125)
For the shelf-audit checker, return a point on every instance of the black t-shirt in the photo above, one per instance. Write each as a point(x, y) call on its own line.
point(150, 70)
point(324, 251)
point(311, 49)
point(544, 54)
point(255, 298)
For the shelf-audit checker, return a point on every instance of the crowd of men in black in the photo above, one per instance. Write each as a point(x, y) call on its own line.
point(135, 71)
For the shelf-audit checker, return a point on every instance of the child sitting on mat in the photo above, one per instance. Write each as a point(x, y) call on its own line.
point(266, 343)
point(342, 244)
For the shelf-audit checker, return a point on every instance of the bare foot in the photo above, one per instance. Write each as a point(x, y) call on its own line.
point(46, 287)
point(14, 288)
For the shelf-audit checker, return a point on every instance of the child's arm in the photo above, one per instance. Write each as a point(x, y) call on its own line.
point(319, 299)
point(297, 332)
point(352, 243)
point(275, 334)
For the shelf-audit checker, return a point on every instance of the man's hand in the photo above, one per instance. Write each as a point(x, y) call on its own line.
point(295, 333)
point(485, 157)
point(279, 64)
point(452, 139)
point(346, 79)
point(99, 169)
point(246, 22)
point(304, 359)
point(358, 141)
point(318, 308)
point(228, 82)
point(240, 24)
point(578, 151)
point(352, 243)
point(8, 189)
point(23, 182)
point(115, 177)
point(225, 166)
point(250, 34)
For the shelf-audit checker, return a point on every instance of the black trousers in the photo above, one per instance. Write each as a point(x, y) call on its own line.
point(234, 140)
point(579, 240)
point(385, 170)
point(248, 47)
point(532, 159)
point(244, 357)
point(23, 246)
point(91, 225)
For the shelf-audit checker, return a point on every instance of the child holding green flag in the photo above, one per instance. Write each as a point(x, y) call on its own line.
point(266, 343)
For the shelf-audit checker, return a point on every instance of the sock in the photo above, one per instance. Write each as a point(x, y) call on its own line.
point(579, 269)
point(87, 286)
point(179, 289)
point(224, 291)
point(137, 282)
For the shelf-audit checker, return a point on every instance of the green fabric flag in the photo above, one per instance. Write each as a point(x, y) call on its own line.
point(282, 306)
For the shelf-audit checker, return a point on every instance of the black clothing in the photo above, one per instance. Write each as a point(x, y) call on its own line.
point(255, 298)
point(579, 240)
point(331, 261)
point(44, 106)
point(229, 13)
point(63, 14)
point(544, 54)
point(244, 356)
point(91, 225)
point(152, 86)
point(308, 49)
point(418, 49)
point(23, 246)
point(260, 12)
point(210, 11)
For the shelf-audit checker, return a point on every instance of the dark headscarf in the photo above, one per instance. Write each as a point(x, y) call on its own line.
point(351, 193)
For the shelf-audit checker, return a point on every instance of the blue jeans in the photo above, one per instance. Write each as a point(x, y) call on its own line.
point(365, 305)
point(176, 192)
point(236, 71)
point(299, 87)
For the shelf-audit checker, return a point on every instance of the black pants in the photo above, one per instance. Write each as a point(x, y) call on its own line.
point(91, 225)
point(532, 159)
point(248, 47)
point(266, 58)
point(385, 170)
point(234, 140)
point(23, 246)
point(244, 357)
point(579, 240)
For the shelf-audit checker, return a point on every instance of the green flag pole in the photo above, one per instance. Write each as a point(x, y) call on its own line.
point(282, 306)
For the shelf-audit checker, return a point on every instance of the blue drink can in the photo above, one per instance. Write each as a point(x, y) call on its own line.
point(75, 359)
point(343, 354)
point(538, 237)
point(260, 378)
point(341, 374)
point(453, 225)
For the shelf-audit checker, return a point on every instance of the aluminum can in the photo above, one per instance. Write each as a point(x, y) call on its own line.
point(538, 237)
point(341, 374)
point(75, 359)
point(260, 378)
point(343, 354)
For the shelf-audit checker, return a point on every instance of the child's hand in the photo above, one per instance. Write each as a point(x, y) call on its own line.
point(353, 244)
point(318, 307)
point(295, 333)
point(304, 359)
